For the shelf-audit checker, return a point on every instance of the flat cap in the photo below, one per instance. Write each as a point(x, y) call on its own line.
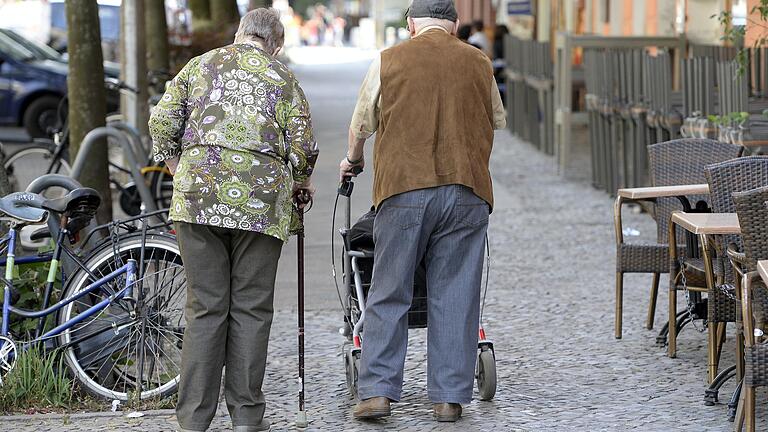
point(441, 9)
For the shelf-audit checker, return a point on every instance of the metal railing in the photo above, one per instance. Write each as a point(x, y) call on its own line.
point(619, 63)
point(637, 91)
point(529, 91)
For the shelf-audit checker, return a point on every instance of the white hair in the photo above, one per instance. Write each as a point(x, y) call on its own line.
point(420, 23)
point(262, 25)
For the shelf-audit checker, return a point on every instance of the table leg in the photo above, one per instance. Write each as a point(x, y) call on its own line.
point(739, 334)
point(712, 327)
point(738, 422)
point(673, 269)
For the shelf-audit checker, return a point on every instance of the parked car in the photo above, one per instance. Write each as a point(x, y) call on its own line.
point(109, 23)
point(45, 21)
point(33, 80)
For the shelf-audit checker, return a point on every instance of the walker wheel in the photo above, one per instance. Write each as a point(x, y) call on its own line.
point(348, 367)
point(352, 366)
point(486, 373)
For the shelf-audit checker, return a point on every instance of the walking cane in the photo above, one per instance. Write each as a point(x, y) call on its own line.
point(301, 197)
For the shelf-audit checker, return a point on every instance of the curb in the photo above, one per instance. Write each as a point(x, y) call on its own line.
point(85, 415)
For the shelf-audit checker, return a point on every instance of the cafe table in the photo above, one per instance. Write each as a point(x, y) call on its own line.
point(702, 225)
point(676, 191)
point(762, 268)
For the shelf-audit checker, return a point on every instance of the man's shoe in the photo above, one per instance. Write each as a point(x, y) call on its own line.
point(372, 408)
point(447, 412)
point(263, 426)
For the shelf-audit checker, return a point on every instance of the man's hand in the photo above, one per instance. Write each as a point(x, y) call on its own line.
point(307, 188)
point(172, 164)
point(347, 169)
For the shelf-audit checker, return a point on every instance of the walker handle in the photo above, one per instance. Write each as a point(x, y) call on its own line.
point(346, 186)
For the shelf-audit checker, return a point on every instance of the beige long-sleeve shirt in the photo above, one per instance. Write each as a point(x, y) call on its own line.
point(365, 119)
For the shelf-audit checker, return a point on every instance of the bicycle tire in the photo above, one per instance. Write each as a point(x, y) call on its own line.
point(101, 352)
point(162, 189)
point(27, 164)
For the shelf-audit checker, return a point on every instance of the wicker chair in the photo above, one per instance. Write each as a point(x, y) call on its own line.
point(676, 162)
point(725, 179)
point(752, 208)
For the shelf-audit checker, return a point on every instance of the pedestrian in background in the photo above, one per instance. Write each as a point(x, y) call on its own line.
point(234, 129)
point(499, 34)
point(478, 37)
point(463, 33)
point(433, 103)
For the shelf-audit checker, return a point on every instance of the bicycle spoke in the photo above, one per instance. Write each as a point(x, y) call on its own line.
point(145, 358)
point(171, 343)
point(162, 364)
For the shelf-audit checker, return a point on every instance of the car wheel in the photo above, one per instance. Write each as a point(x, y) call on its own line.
point(41, 115)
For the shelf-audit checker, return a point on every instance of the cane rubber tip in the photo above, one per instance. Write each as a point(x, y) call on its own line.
point(301, 419)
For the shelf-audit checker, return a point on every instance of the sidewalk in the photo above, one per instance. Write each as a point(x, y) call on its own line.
point(550, 314)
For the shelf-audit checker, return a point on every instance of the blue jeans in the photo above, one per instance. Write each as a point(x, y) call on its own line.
point(447, 226)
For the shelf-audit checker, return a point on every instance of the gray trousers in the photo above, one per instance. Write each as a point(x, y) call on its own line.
point(230, 290)
point(447, 226)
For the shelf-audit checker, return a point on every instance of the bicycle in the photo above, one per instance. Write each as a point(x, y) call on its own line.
point(51, 156)
point(27, 163)
point(119, 324)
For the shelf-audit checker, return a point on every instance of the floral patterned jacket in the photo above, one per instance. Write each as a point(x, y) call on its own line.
point(241, 125)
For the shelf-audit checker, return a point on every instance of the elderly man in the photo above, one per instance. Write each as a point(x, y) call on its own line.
point(234, 128)
point(434, 104)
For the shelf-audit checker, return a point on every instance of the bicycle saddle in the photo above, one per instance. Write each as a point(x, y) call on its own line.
point(23, 207)
point(83, 199)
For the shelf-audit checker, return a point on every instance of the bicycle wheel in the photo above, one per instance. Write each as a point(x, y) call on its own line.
point(126, 351)
point(29, 163)
point(162, 189)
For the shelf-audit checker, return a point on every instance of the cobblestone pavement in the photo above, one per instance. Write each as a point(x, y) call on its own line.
point(549, 312)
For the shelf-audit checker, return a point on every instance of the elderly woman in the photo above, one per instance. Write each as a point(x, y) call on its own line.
point(234, 128)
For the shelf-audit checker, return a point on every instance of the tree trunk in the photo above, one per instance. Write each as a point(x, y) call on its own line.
point(133, 69)
point(5, 184)
point(157, 36)
point(201, 14)
point(87, 103)
point(224, 12)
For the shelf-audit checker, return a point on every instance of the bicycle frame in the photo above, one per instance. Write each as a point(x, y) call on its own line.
point(129, 269)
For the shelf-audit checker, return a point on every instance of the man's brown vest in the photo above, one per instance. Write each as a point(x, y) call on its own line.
point(436, 119)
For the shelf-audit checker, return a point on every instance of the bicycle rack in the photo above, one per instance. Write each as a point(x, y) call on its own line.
point(44, 182)
point(135, 136)
point(111, 132)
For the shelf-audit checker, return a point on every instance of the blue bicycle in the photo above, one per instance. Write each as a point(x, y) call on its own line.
point(120, 320)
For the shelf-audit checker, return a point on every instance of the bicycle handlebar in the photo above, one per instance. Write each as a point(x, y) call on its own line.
point(116, 84)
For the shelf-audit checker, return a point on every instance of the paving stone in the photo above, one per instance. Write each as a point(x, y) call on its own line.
point(550, 314)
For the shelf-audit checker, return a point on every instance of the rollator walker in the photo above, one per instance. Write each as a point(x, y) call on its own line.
point(357, 261)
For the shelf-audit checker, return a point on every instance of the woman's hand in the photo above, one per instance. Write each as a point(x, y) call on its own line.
point(172, 164)
point(307, 192)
